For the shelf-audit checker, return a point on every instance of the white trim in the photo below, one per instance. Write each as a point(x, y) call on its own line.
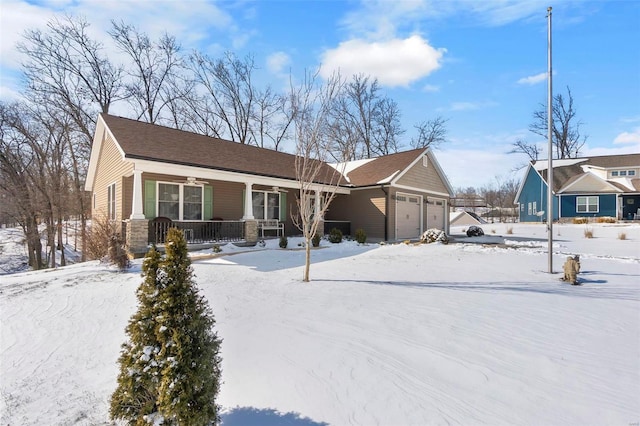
point(149, 166)
point(424, 191)
point(137, 211)
point(588, 204)
point(264, 207)
point(112, 214)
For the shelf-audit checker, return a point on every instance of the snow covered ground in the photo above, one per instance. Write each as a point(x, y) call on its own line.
point(472, 332)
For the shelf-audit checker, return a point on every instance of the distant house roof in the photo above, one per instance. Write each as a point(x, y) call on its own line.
point(568, 170)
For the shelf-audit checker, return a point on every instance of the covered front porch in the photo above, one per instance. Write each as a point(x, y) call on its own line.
point(210, 206)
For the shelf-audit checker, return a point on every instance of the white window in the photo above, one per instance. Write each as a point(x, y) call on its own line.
point(529, 209)
point(180, 202)
point(587, 204)
point(615, 173)
point(535, 207)
point(111, 201)
point(266, 205)
point(192, 205)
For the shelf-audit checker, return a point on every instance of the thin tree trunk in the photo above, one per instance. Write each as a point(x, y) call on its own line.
point(307, 263)
point(63, 261)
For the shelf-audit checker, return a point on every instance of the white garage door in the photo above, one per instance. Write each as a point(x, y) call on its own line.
point(407, 216)
point(435, 213)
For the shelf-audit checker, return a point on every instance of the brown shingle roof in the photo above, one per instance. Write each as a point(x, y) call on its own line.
point(381, 168)
point(147, 141)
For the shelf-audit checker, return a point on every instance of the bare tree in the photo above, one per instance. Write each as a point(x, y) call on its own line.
point(17, 165)
point(566, 137)
point(522, 147)
point(68, 74)
point(500, 197)
point(431, 133)
point(272, 119)
point(317, 181)
point(230, 93)
point(67, 68)
point(155, 66)
point(366, 123)
point(388, 130)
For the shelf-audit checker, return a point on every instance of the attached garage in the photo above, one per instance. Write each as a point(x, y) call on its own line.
point(435, 213)
point(408, 215)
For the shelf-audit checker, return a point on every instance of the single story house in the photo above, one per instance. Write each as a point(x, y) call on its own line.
point(600, 186)
point(149, 177)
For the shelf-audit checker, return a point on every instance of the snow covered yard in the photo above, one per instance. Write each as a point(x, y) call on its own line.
point(472, 332)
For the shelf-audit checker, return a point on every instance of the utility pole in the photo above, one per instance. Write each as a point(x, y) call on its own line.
point(549, 137)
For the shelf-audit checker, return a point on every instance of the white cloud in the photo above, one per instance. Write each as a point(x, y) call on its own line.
point(533, 79)
point(632, 137)
point(464, 106)
point(277, 62)
point(395, 62)
point(470, 106)
point(191, 22)
point(635, 119)
point(430, 88)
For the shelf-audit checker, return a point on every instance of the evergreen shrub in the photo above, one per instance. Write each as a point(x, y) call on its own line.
point(361, 236)
point(170, 370)
point(335, 236)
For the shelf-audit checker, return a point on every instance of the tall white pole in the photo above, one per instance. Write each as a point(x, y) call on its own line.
point(549, 137)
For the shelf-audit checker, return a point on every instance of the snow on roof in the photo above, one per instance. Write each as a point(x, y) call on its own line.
point(541, 165)
point(350, 166)
point(389, 178)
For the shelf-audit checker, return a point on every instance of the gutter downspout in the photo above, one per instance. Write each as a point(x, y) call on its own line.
point(386, 213)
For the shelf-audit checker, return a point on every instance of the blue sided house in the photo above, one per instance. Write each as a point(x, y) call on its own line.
point(604, 186)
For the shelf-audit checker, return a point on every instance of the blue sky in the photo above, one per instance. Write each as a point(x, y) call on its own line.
point(480, 64)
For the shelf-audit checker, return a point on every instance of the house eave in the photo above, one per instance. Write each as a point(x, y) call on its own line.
point(199, 171)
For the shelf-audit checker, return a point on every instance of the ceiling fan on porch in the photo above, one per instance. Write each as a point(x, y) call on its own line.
point(278, 189)
point(191, 181)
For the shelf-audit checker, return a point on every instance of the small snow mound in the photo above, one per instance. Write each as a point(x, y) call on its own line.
point(434, 235)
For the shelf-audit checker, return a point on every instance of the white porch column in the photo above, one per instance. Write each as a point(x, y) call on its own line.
point(136, 209)
point(248, 202)
point(316, 207)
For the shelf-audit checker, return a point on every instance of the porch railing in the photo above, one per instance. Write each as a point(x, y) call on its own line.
point(208, 231)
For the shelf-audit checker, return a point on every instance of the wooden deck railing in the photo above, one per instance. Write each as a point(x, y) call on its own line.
point(207, 231)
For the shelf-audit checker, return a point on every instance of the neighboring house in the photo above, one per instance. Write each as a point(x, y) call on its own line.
point(148, 177)
point(465, 218)
point(604, 186)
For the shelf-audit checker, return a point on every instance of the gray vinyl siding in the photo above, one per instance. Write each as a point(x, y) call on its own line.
point(364, 208)
point(425, 178)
